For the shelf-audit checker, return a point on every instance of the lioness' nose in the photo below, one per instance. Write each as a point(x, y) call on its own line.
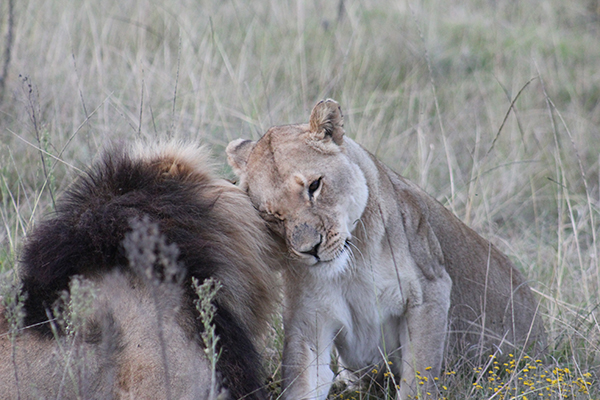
point(306, 239)
point(314, 251)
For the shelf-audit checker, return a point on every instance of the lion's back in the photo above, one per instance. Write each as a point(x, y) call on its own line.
point(206, 225)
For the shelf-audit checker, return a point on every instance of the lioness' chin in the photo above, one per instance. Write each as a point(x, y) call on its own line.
point(331, 268)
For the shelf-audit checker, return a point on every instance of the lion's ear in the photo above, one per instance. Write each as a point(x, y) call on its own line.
point(238, 152)
point(327, 121)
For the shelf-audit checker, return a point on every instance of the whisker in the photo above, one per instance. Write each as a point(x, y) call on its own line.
point(352, 247)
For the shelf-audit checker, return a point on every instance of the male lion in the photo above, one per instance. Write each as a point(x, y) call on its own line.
point(377, 268)
point(133, 232)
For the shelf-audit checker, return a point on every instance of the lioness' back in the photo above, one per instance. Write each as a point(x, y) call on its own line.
point(492, 306)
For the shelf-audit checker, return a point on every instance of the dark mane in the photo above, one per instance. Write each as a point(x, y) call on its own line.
point(85, 237)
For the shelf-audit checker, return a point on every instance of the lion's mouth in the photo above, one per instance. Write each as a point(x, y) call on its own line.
point(338, 254)
point(345, 248)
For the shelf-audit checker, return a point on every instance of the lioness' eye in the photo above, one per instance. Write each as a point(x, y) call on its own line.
point(312, 188)
point(271, 216)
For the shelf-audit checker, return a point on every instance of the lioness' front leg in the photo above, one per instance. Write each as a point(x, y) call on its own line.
point(422, 336)
point(306, 360)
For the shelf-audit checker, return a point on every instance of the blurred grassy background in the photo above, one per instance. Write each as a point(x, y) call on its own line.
point(425, 85)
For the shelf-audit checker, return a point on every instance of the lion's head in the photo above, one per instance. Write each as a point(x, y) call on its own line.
point(311, 194)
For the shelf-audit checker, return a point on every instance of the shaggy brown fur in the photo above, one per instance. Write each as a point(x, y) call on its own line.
point(217, 233)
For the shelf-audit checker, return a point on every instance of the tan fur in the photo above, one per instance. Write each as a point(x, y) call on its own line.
point(375, 265)
point(118, 354)
point(125, 363)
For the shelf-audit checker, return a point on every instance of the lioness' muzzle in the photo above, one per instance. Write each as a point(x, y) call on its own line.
point(305, 239)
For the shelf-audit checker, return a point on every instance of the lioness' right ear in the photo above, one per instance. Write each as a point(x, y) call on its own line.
point(238, 152)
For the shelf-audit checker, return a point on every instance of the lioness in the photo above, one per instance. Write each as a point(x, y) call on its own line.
point(137, 228)
point(377, 268)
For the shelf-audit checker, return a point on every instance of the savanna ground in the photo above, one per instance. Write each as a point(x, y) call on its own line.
point(491, 106)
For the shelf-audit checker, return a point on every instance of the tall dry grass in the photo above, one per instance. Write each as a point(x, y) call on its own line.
point(492, 107)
